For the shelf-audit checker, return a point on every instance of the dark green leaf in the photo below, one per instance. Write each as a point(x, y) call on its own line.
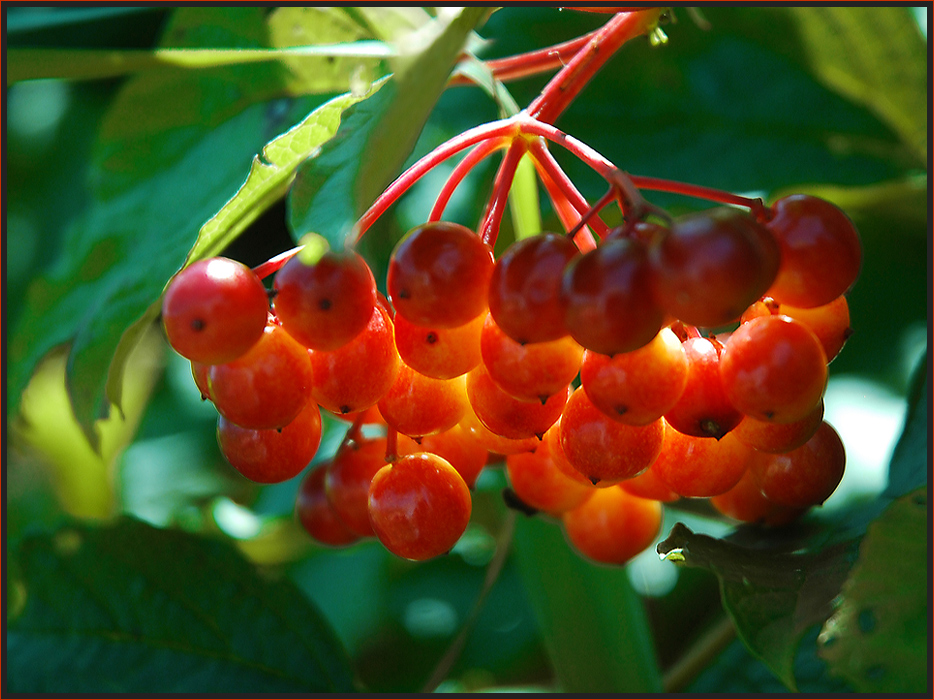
point(334, 188)
point(131, 609)
point(592, 621)
point(909, 466)
point(878, 637)
point(773, 596)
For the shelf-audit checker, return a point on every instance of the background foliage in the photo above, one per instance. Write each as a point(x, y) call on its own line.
point(139, 561)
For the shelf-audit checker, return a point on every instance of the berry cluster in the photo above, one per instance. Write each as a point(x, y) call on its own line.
point(676, 358)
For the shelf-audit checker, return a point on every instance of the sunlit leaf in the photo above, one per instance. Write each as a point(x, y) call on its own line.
point(131, 609)
point(878, 637)
point(334, 188)
point(874, 56)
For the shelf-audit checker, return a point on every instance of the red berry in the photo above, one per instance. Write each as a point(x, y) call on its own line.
point(325, 304)
point(439, 275)
point(712, 265)
point(640, 386)
point(538, 482)
point(419, 506)
point(266, 387)
point(347, 481)
point(272, 456)
point(530, 372)
point(820, 251)
point(525, 288)
point(830, 323)
point(805, 476)
point(492, 442)
point(608, 298)
point(357, 374)
point(316, 515)
point(602, 449)
point(766, 436)
point(701, 467)
point(214, 310)
point(508, 416)
point(442, 353)
point(456, 445)
point(649, 485)
point(613, 526)
point(745, 502)
point(773, 368)
point(417, 405)
point(703, 410)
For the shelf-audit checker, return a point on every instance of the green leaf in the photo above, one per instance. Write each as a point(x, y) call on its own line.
point(334, 188)
point(591, 619)
point(131, 609)
point(909, 466)
point(77, 64)
point(878, 637)
point(874, 56)
point(773, 595)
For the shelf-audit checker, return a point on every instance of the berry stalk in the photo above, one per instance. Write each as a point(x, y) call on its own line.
point(561, 91)
point(492, 219)
point(460, 171)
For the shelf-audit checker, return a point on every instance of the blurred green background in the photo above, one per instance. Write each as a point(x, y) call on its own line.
point(108, 182)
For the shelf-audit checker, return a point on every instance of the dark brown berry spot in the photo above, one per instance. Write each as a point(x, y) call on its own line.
point(431, 338)
point(197, 324)
point(345, 409)
point(324, 304)
point(621, 410)
point(712, 429)
point(404, 294)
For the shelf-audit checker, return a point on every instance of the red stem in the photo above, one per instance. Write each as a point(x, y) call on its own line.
point(274, 264)
point(493, 218)
point(503, 127)
point(566, 211)
point(602, 44)
point(532, 63)
point(461, 170)
point(755, 205)
point(546, 160)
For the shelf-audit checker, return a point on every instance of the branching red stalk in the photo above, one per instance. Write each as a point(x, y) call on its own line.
point(545, 159)
point(460, 171)
point(535, 62)
point(492, 130)
point(602, 44)
point(392, 445)
point(565, 210)
point(493, 217)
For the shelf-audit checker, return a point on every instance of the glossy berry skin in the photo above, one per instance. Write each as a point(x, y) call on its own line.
point(637, 387)
point(347, 482)
point(439, 275)
point(712, 265)
point(214, 310)
point(649, 485)
point(530, 372)
point(745, 502)
point(773, 368)
point(199, 373)
point(495, 444)
point(701, 467)
point(357, 374)
point(315, 514)
point(325, 305)
point(821, 254)
point(613, 526)
point(608, 297)
point(456, 445)
point(272, 456)
point(508, 416)
point(602, 449)
point(525, 288)
point(538, 482)
point(417, 405)
point(777, 438)
point(703, 409)
point(419, 506)
point(266, 387)
point(442, 353)
point(829, 322)
point(805, 476)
